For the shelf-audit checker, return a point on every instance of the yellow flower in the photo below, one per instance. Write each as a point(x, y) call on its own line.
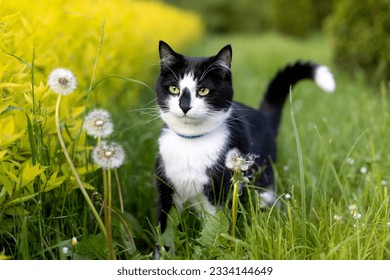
point(74, 241)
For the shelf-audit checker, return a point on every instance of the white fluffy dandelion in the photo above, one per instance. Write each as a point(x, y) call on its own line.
point(65, 250)
point(109, 156)
point(337, 218)
point(363, 170)
point(98, 123)
point(350, 161)
point(235, 160)
point(353, 209)
point(356, 215)
point(231, 158)
point(62, 81)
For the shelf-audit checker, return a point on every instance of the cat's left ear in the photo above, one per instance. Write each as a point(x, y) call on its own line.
point(224, 57)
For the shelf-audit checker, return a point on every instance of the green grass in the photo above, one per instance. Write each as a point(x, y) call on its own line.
point(333, 130)
point(339, 134)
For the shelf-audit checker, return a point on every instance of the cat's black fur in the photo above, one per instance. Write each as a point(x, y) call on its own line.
point(250, 130)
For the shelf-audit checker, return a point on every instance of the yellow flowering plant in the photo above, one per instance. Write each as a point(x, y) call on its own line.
point(39, 36)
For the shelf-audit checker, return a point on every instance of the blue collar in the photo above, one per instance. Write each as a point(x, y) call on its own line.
point(191, 137)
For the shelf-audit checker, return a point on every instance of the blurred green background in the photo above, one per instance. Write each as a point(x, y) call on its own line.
point(358, 31)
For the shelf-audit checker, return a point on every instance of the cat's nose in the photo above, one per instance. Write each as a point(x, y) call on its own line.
point(185, 100)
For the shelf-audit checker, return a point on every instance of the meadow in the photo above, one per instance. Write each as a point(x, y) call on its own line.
point(332, 174)
point(332, 168)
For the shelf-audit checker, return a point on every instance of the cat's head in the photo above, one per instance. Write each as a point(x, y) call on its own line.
point(194, 93)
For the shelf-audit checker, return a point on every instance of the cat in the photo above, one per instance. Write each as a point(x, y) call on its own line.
point(202, 124)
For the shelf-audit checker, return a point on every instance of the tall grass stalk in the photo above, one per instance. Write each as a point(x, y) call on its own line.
point(120, 196)
point(108, 211)
point(301, 169)
point(74, 171)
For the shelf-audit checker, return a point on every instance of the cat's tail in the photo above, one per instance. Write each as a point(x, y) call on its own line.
point(279, 88)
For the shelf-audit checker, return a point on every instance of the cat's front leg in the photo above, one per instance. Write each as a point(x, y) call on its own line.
point(165, 203)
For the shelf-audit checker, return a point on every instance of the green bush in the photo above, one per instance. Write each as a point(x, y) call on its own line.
point(360, 32)
point(226, 16)
point(297, 18)
point(291, 17)
point(37, 185)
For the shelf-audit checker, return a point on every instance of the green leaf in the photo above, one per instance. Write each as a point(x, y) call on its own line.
point(20, 59)
point(169, 234)
point(7, 184)
point(31, 140)
point(30, 172)
point(92, 247)
point(20, 199)
point(54, 182)
point(16, 211)
point(212, 230)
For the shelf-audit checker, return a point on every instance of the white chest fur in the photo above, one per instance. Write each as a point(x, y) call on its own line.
point(186, 162)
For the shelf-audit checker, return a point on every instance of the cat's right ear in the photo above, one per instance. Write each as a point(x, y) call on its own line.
point(167, 55)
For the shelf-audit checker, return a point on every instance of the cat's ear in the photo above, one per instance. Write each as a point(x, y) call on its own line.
point(224, 57)
point(167, 55)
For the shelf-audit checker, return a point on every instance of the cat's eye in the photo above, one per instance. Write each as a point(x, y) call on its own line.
point(203, 91)
point(174, 90)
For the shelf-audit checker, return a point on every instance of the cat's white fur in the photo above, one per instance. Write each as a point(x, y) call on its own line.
point(186, 160)
point(324, 79)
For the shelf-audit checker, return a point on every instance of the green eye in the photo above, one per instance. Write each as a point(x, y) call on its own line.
point(203, 91)
point(174, 90)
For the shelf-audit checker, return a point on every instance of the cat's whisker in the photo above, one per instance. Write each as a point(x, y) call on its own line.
point(211, 67)
point(173, 72)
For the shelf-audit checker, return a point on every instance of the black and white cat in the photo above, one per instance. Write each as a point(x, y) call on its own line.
point(202, 124)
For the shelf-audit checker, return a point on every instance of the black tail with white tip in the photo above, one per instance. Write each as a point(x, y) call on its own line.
point(279, 88)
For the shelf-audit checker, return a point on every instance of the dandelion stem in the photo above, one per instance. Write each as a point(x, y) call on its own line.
point(118, 183)
point(236, 186)
point(72, 167)
point(109, 216)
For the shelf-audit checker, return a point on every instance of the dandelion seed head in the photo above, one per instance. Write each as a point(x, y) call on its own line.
point(109, 156)
point(384, 183)
point(232, 156)
point(352, 207)
point(62, 81)
point(98, 123)
point(363, 170)
point(235, 160)
point(350, 161)
point(356, 215)
point(337, 218)
point(65, 250)
point(287, 196)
